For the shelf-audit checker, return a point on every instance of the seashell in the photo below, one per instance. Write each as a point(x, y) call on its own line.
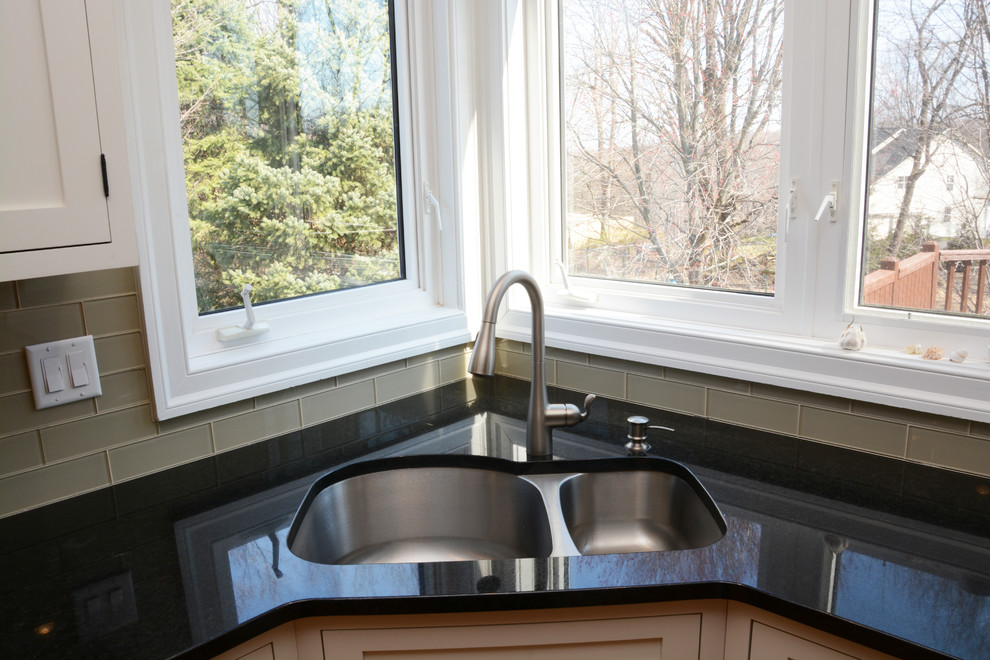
point(914, 349)
point(933, 353)
point(959, 355)
point(852, 338)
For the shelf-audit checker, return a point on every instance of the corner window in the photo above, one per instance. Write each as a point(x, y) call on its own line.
point(725, 190)
point(267, 137)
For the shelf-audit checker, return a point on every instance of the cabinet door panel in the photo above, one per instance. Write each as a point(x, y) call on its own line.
point(754, 634)
point(659, 637)
point(646, 649)
point(768, 643)
point(51, 189)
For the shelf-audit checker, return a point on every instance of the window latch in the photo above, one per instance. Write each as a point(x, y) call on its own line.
point(829, 203)
point(571, 296)
point(250, 328)
point(433, 204)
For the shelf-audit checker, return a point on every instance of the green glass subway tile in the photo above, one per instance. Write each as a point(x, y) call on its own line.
point(97, 433)
point(123, 389)
point(411, 380)
point(120, 352)
point(339, 402)
point(206, 416)
point(560, 355)
point(950, 450)
point(592, 380)
point(626, 366)
point(517, 365)
point(112, 315)
point(292, 393)
point(846, 430)
point(438, 355)
point(707, 380)
point(371, 372)
point(746, 410)
point(454, 368)
point(256, 425)
point(77, 286)
point(8, 296)
point(26, 327)
point(979, 429)
point(52, 483)
point(14, 375)
point(913, 417)
point(513, 346)
point(17, 413)
point(800, 396)
point(159, 453)
point(666, 395)
point(20, 452)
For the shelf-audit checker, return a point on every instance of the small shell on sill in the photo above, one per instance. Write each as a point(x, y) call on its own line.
point(959, 355)
point(914, 349)
point(933, 353)
point(852, 338)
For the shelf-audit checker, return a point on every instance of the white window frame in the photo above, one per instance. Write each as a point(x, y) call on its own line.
point(789, 340)
point(319, 336)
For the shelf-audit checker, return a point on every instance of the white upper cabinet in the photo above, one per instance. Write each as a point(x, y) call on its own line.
point(60, 116)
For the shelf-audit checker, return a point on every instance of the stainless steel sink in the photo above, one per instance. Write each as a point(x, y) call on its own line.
point(450, 508)
point(640, 511)
point(422, 514)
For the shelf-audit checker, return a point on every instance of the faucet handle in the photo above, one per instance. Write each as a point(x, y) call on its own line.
point(567, 414)
point(588, 400)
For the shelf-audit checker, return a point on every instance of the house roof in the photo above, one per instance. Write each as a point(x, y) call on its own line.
point(889, 147)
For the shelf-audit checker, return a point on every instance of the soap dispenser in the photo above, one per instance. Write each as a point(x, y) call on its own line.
point(636, 434)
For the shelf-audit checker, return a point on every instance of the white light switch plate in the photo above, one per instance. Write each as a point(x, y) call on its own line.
point(63, 371)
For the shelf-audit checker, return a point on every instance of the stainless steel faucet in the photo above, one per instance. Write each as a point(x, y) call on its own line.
point(543, 416)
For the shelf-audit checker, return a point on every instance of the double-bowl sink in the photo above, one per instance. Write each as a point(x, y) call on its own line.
point(433, 508)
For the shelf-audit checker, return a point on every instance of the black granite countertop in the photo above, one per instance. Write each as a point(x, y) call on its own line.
point(192, 560)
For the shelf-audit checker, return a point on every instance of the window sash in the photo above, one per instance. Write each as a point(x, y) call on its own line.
point(314, 337)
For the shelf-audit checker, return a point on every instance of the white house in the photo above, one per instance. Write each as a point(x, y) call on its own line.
point(951, 196)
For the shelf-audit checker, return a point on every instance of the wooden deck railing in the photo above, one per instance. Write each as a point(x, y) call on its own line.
point(914, 283)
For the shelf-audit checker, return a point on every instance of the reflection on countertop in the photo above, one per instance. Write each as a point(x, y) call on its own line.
point(177, 559)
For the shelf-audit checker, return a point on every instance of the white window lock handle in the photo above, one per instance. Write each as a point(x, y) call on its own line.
point(829, 203)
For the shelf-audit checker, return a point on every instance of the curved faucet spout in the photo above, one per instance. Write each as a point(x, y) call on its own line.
point(543, 416)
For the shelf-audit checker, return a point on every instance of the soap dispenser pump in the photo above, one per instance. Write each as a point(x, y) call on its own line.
point(636, 434)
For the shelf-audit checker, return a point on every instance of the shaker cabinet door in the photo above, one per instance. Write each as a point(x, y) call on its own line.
point(648, 638)
point(754, 634)
point(51, 180)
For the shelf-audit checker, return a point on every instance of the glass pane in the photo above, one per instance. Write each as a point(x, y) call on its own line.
point(927, 216)
point(289, 143)
point(671, 112)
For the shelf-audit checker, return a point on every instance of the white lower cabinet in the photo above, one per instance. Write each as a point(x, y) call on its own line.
point(705, 629)
point(632, 633)
point(276, 644)
point(755, 634)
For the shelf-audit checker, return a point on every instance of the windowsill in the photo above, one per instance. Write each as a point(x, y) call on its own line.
point(209, 382)
point(874, 375)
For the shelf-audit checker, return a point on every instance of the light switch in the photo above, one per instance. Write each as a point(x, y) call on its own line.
point(77, 369)
point(51, 368)
point(63, 371)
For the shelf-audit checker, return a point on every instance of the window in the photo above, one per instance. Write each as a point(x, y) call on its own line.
point(928, 117)
point(672, 129)
point(712, 195)
point(286, 112)
point(268, 155)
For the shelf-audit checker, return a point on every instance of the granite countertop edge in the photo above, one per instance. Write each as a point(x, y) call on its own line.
point(565, 598)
